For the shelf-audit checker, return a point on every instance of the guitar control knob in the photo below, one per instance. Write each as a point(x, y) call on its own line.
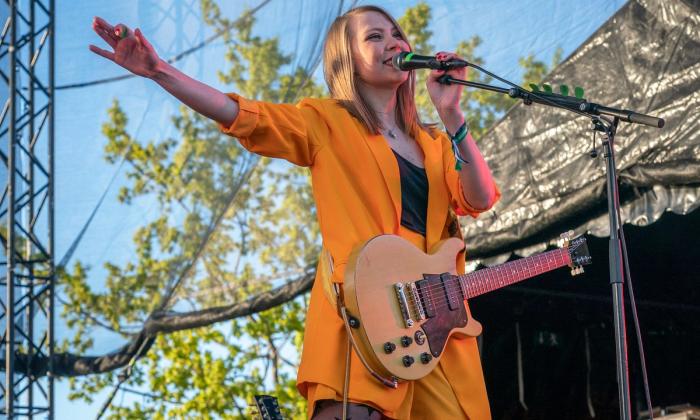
point(425, 358)
point(420, 337)
point(389, 347)
point(407, 361)
point(406, 341)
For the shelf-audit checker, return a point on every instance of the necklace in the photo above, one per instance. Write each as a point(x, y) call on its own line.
point(390, 132)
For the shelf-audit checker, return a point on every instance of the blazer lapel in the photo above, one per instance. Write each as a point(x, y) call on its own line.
point(390, 172)
point(438, 196)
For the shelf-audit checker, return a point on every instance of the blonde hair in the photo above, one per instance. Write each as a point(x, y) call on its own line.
point(339, 72)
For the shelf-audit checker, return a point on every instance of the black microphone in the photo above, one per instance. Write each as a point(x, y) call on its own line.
point(406, 61)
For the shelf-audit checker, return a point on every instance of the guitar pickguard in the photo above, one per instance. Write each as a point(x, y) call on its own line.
point(448, 316)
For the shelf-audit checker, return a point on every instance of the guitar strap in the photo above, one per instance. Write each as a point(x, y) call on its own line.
point(325, 276)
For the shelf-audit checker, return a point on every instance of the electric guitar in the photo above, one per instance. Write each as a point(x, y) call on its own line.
point(402, 305)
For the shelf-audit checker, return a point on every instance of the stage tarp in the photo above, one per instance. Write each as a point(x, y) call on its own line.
point(645, 58)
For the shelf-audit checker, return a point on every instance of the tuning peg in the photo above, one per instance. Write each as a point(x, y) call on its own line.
point(576, 271)
point(565, 238)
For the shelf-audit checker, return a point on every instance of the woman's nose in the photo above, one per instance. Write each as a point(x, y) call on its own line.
point(393, 44)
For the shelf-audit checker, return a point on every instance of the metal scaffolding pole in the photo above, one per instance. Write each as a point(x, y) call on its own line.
point(27, 205)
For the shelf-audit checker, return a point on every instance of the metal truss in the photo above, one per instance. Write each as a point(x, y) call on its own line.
point(27, 205)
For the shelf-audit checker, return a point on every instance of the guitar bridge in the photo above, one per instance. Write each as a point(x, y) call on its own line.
point(403, 304)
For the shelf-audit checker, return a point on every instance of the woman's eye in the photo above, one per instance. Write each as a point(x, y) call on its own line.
point(398, 35)
point(374, 36)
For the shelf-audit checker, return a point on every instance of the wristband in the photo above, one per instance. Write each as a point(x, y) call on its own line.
point(461, 133)
point(458, 137)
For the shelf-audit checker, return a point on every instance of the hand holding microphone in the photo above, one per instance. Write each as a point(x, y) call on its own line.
point(445, 97)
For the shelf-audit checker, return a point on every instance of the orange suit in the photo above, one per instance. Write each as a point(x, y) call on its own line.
point(357, 189)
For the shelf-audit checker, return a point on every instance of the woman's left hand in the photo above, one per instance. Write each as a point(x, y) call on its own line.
point(445, 97)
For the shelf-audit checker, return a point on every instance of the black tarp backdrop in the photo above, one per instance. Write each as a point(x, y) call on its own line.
point(645, 58)
point(554, 311)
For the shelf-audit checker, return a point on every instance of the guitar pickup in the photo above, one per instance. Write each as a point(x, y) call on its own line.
point(425, 297)
point(451, 290)
point(417, 304)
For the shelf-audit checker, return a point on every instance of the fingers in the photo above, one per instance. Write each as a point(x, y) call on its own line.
point(101, 23)
point(142, 39)
point(104, 53)
point(447, 56)
point(443, 55)
point(105, 31)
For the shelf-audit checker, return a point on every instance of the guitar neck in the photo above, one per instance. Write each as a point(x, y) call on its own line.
point(489, 279)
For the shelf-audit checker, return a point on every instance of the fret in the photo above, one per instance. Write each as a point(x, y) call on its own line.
point(482, 281)
point(490, 276)
point(488, 279)
point(465, 280)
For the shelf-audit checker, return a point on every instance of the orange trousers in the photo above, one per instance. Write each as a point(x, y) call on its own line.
point(432, 398)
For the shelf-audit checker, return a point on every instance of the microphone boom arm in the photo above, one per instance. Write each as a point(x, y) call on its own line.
point(579, 106)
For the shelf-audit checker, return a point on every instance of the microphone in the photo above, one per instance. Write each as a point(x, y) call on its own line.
point(406, 61)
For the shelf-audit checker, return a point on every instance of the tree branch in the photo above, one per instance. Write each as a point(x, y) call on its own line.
point(68, 364)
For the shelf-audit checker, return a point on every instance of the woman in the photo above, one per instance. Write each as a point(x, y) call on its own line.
point(375, 170)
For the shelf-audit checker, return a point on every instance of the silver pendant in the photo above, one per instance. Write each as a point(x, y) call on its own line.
point(391, 134)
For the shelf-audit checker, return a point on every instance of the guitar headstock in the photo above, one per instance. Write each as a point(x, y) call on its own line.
point(578, 252)
point(268, 408)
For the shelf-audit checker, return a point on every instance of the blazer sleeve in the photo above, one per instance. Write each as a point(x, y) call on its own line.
point(285, 131)
point(454, 184)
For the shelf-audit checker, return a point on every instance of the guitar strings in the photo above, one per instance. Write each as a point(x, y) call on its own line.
point(484, 284)
point(438, 302)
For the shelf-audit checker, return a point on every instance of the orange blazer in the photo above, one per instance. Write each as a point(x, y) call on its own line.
point(357, 189)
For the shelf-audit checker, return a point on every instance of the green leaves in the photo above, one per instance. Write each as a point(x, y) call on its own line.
point(414, 22)
point(264, 231)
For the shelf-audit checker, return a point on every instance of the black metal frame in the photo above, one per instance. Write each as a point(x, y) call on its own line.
point(27, 205)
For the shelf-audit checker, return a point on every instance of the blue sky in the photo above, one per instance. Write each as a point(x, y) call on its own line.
point(509, 30)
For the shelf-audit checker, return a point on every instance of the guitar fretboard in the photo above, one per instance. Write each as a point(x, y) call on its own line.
point(489, 279)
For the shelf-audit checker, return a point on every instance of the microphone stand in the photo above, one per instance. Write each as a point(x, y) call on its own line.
point(594, 111)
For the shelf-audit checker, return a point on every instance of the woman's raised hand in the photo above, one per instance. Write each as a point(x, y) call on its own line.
point(446, 97)
point(131, 50)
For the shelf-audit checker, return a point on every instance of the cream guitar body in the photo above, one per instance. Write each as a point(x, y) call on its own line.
point(403, 304)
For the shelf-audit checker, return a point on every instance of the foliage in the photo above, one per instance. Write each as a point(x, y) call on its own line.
point(267, 228)
point(481, 108)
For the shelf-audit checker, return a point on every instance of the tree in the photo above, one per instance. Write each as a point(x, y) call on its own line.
point(228, 221)
point(482, 109)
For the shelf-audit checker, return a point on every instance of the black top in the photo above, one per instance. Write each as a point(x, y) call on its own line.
point(414, 195)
